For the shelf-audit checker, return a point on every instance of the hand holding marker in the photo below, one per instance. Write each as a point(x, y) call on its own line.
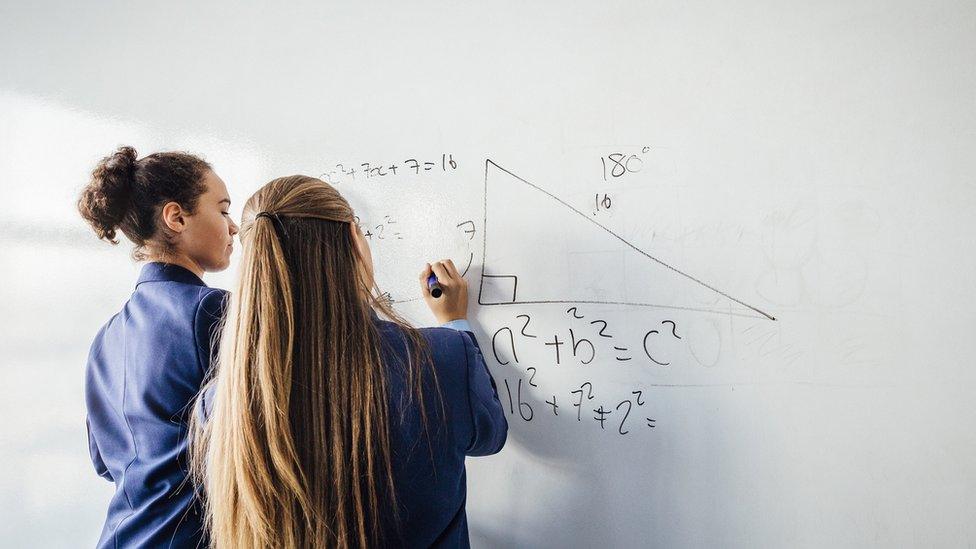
point(444, 290)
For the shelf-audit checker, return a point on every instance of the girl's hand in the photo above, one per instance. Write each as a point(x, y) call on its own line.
point(453, 303)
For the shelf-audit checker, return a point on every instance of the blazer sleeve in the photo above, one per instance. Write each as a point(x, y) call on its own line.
point(206, 327)
point(96, 456)
point(489, 426)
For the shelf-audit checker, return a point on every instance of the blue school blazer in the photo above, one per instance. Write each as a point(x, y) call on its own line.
point(429, 471)
point(145, 367)
point(431, 478)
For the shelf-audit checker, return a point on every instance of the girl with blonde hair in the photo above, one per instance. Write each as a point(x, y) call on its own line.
point(324, 425)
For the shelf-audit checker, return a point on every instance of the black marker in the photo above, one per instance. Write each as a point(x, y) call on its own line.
point(434, 286)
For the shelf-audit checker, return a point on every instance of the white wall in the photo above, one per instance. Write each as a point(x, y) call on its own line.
point(809, 160)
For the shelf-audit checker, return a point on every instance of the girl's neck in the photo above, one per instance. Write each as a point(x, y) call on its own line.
point(181, 260)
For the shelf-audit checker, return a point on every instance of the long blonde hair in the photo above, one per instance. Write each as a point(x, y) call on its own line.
point(295, 451)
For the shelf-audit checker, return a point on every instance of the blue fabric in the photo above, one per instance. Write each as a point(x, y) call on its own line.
point(429, 472)
point(431, 480)
point(144, 369)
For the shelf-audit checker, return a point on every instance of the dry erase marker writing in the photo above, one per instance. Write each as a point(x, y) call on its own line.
point(433, 286)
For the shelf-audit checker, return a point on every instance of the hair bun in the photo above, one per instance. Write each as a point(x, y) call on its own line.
point(121, 163)
point(106, 199)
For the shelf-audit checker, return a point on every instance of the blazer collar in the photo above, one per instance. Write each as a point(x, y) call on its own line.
point(167, 272)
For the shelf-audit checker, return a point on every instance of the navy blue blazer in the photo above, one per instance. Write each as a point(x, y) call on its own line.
point(428, 471)
point(431, 485)
point(145, 367)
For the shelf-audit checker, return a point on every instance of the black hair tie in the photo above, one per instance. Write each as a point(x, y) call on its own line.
point(279, 226)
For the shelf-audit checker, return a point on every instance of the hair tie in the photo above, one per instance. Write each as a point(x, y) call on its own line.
point(275, 218)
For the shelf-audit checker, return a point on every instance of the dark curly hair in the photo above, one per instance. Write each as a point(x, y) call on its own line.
point(127, 194)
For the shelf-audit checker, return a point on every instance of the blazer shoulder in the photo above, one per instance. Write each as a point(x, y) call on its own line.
point(211, 302)
point(447, 343)
point(99, 339)
point(441, 334)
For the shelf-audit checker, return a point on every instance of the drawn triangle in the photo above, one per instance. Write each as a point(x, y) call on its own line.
point(538, 248)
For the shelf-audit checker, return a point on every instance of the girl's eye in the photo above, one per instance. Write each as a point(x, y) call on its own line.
point(224, 213)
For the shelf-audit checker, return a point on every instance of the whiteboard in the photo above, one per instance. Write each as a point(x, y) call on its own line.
point(746, 230)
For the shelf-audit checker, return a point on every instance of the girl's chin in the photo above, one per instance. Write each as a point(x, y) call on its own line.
point(223, 263)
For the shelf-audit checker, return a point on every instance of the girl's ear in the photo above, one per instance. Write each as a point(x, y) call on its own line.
point(174, 217)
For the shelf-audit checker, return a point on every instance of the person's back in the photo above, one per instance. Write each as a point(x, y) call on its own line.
point(326, 426)
point(145, 367)
point(430, 478)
